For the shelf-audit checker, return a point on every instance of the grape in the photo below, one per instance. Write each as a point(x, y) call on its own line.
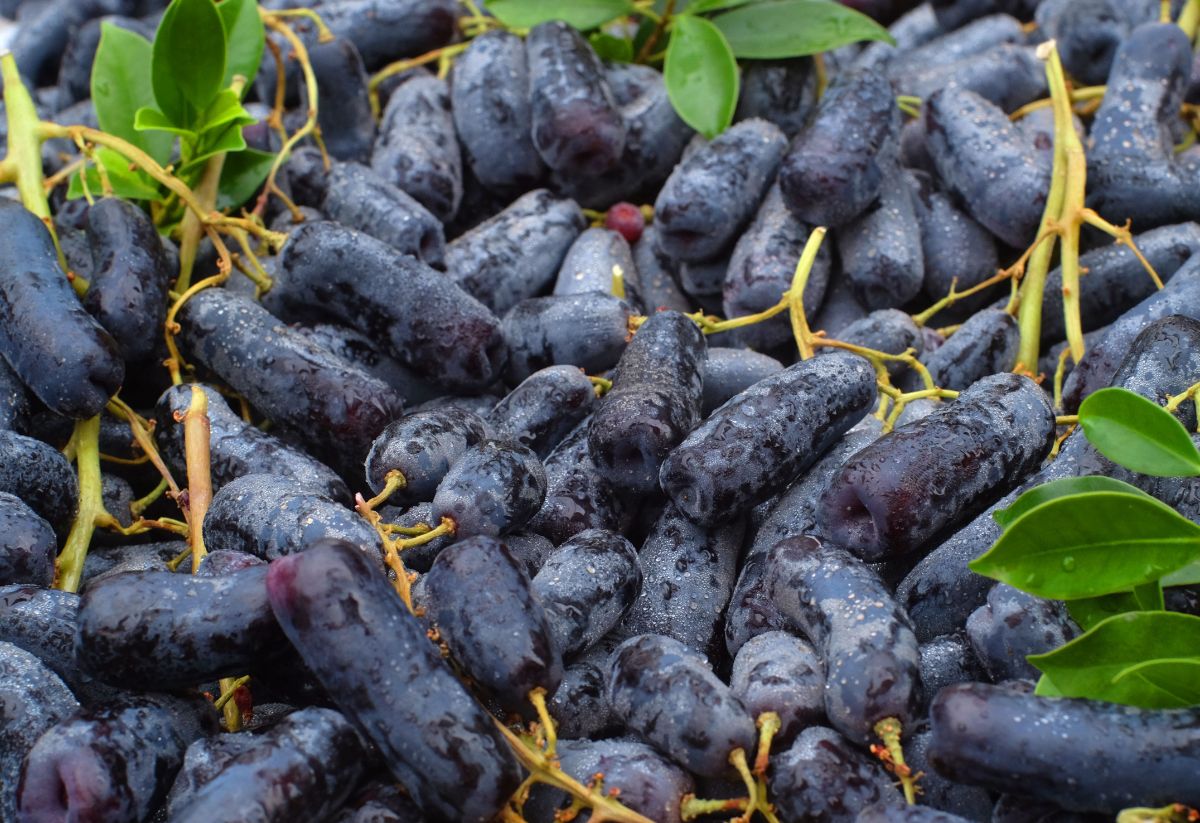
point(580, 706)
point(953, 43)
point(897, 493)
point(832, 171)
point(515, 254)
point(270, 516)
point(388, 679)
point(113, 762)
point(174, 631)
point(886, 330)
point(703, 280)
point(422, 446)
point(589, 263)
point(1008, 75)
point(778, 672)
point(315, 753)
point(910, 31)
point(946, 660)
point(653, 283)
point(221, 562)
point(27, 544)
point(359, 197)
point(493, 119)
point(783, 92)
point(417, 148)
point(885, 813)
point(386, 30)
point(585, 330)
point(714, 192)
point(937, 792)
point(484, 608)
point(46, 29)
point(41, 477)
point(1013, 624)
point(355, 347)
point(585, 585)
point(626, 220)
point(59, 351)
point(665, 692)
point(380, 802)
point(1088, 34)
point(729, 372)
point(986, 344)
point(1064, 750)
point(576, 126)
point(14, 400)
point(493, 489)
point(544, 408)
point(841, 308)
point(823, 779)
point(107, 560)
point(577, 498)
point(760, 441)
point(422, 318)
point(346, 123)
point(202, 761)
point(653, 404)
point(1011, 808)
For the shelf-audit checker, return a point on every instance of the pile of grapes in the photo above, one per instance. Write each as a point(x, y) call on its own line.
point(522, 454)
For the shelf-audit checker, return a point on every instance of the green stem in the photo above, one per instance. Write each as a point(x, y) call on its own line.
point(192, 229)
point(91, 505)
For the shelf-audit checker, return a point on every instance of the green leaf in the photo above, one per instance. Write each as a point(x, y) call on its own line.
point(215, 142)
point(1089, 611)
point(1169, 683)
point(581, 14)
point(613, 49)
point(1060, 488)
point(701, 76)
point(131, 184)
point(705, 6)
point(189, 60)
point(1046, 688)
point(1138, 434)
point(244, 38)
point(1189, 575)
point(792, 28)
point(150, 119)
point(241, 176)
point(226, 108)
point(1149, 597)
point(121, 86)
point(1097, 665)
point(1085, 545)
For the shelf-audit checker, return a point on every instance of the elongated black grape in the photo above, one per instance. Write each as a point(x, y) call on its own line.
point(880, 249)
point(586, 585)
point(493, 118)
point(864, 637)
point(544, 408)
point(114, 762)
point(27, 544)
point(492, 489)
point(778, 672)
point(75, 70)
point(703, 280)
point(654, 285)
point(59, 350)
point(946, 660)
point(840, 309)
point(41, 477)
point(988, 162)
point(347, 125)
point(751, 610)
point(576, 125)
point(220, 562)
point(1013, 624)
point(715, 191)
point(172, 631)
point(957, 42)
point(886, 330)
point(237, 448)
point(387, 30)
point(761, 269)
point(688, 574)
point(1132, 167)
point(760, 441)
point(316, 753)
point(1008, 75)
point(666, 693)
point(202, 761)
point(379, 801)
point(832, 169)
point(729, 372)
point(585, 330)
point(417, 148)
point(589, 263)
point(938, 792)
point(910, 31)
point(580, 706)
point(643, 780)
point(45, 31)
point(361, 198)
point(1014, 808)
point(127, 289)
point(329, 272)
point(270, 516)
point(516, 253)
point(484, 608)
point(422, 446)
point(985, 344)
point(957, 250)
point(355, 347)
point(14, 400)
point(374, 659)
point(32, 700)
point(783, 92)
point(823, 778)
point(901, 813)
point(900, 491)
point(1064, 750)
point(577, 498)
point(653, 404)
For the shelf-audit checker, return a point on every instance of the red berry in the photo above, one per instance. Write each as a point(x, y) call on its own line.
point(627, 219)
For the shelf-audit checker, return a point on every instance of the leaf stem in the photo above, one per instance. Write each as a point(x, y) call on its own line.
point(86, 438)
point(196, 433)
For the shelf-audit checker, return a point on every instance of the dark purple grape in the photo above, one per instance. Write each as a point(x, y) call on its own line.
point(1013, 624)
point(952, 43)
point(484, 608)
point(778, 672)
point(864, 637)
point(171, 631)
point(576, 126)
point(386, 30)
point(653, 404)
point(1089, 33)
point(577, 498)
point(380, 801)
point(986, 344)
point(332, 273)
point(760, 441)
point(59, 351)
point(585, 330)
point(361, 198)
point(591, 262)
point(492, 489)
point(374, 659)
point(896, 494)
point(832, 171)
point(358, 349)
point(886, 330)
point(937, 792)
point(1008, 75)
point(715, 191)
point(729, 372)
point(515, 254)
point(14, 400)
point(221, 562)
point(822, 778)
point(114, 762)
point(347, 125)
point(1013, 808)
point(580, 706)
point(544, 408)
point(1080, 754)
point(783, 92)
point(46, 29)
point(900, 813)
point(666, 692)
point(946, 660)
point(422, 446)
point(27, 544)
point(315, 753)
point(41, 477)
point(653, 284)
point(840, 309)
